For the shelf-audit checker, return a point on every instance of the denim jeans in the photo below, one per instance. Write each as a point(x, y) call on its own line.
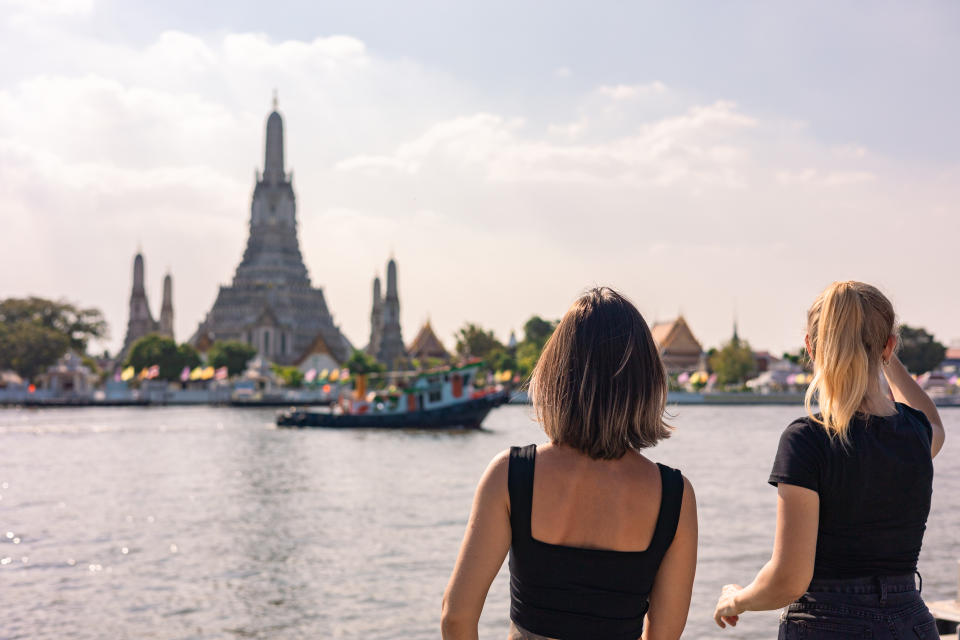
point(881, 607)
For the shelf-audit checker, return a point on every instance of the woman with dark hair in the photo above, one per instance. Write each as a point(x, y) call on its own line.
point(602, 541)
point(854, 482)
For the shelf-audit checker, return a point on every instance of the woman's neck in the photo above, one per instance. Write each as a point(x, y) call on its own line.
point(876, 402)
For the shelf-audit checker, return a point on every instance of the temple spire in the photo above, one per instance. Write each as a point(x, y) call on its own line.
point(392, 279)
point(138, 275)
point(273, 156)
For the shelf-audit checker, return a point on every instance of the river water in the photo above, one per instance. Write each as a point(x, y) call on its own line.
point(210, 523)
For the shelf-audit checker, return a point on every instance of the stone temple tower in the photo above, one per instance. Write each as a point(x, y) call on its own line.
point(271, 303)
point(376, 320)
point(166, 308)
point(392, 352)
point(140, 322)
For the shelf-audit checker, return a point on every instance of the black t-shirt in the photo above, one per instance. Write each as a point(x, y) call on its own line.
point(874, 491)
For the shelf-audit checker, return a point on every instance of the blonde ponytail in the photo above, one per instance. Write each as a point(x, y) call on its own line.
point(848, 327)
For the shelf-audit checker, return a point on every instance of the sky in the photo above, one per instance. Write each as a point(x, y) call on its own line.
point(719, 160)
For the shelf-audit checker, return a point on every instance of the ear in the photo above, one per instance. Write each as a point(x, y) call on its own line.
point(806, 344)
point(889, 347)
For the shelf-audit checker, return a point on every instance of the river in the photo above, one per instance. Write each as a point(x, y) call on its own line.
point(210, 523)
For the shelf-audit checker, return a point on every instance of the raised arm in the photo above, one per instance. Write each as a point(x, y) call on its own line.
point(906, 390)
point(788, 573)
point(670, 597)
point(485, 545)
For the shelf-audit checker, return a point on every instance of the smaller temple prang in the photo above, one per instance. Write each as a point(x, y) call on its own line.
point(391, 351)
point(376, 320)
point(166, 308)
point(140, 322)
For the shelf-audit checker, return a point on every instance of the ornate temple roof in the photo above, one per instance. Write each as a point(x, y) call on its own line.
point(318, 346)
point(675, 337)
point(426, 344)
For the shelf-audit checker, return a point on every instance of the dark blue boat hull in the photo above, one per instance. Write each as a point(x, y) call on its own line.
point(464, 415)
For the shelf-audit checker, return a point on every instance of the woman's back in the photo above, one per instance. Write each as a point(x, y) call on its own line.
point(584, 576)
point(874, 490)
point(594, 504)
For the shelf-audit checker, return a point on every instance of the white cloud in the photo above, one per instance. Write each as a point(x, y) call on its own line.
point(632, 92)
point(493, 215)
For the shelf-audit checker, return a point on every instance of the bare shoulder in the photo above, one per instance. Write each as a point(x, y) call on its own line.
point(493, 484)
point(689, 501)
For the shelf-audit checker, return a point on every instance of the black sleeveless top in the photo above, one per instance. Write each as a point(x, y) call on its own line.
point(573, 593)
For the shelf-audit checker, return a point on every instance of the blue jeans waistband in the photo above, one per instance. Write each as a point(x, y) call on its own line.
point(873, 584)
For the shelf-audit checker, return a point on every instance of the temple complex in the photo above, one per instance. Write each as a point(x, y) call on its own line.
point(271, 303)
point(140, 322)
point(386, 337)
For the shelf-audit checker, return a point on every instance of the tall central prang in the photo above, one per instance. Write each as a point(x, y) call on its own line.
point(271, 303)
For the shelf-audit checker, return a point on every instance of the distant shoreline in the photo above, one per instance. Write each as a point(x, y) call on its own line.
point(734, 398)
point(730, 398)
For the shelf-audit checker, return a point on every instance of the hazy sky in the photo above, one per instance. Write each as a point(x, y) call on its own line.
point(705, 158)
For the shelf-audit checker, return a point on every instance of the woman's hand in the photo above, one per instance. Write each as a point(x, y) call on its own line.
point(728, 610)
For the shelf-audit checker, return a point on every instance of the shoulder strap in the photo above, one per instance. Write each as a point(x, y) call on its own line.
point(520, 485)
point(671, 499)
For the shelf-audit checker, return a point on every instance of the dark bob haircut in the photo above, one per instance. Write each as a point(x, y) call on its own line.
point(599, 385)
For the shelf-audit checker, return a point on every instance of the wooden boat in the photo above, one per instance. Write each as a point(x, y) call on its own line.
point(439, 399)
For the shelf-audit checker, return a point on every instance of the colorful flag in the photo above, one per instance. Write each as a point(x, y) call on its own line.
point(143, 374)
point(310, 376)
point(154, 372)
point(334, 375)
point(344, 375)
point(128, 374)
point(220, 374)
point(185, 374)
point(197, 373)
point(208, 373)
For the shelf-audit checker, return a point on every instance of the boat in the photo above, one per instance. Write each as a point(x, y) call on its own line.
point(445, 398)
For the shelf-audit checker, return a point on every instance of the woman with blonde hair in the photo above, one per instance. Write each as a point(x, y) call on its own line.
point(602, 541)
point(854, 483)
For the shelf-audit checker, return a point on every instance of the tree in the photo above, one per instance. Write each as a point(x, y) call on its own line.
point(78, 325)
point(500, 359)
point(29, 349)
point(527, 355)
point(155, 349)
point(919, 351)
point(291, 376)
point(35, 333)
point(232, 354)
point(361, 362)
point(537, 331)
point(733, 363)
point(474, 342)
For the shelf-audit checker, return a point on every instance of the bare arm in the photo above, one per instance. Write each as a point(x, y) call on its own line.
point(906, 390)
point(670, 597)
point(788, 573)
point(485, 545)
